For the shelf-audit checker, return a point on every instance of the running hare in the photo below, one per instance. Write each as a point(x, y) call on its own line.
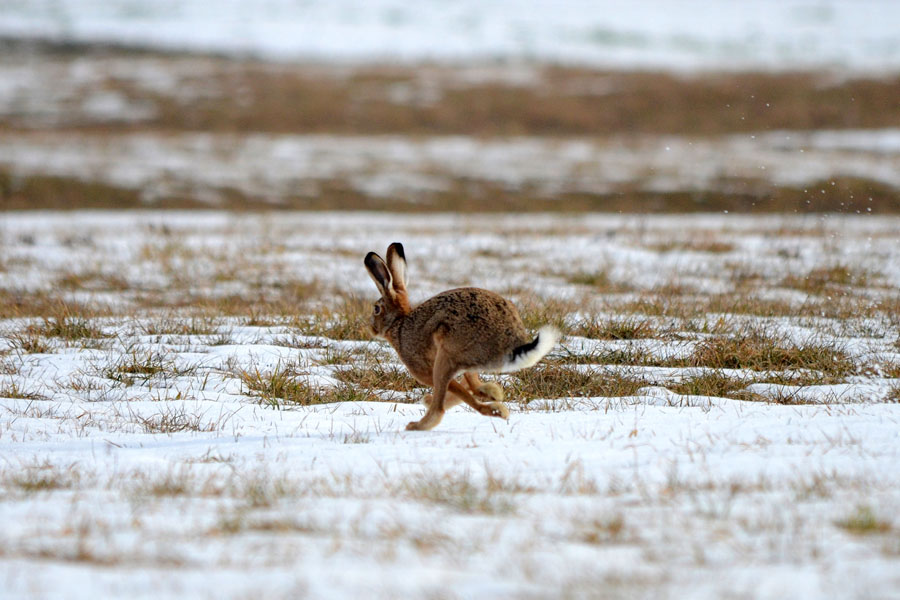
point(462, 331)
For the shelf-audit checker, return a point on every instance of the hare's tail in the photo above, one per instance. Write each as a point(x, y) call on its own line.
point(528, 354)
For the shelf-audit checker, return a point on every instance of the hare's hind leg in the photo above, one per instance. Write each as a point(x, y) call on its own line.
point(489, 390)
point(454, 396)
point(488, 409)
point(485, 391)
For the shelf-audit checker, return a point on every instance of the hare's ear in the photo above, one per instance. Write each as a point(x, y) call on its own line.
point(379, 273)
point(396, 262)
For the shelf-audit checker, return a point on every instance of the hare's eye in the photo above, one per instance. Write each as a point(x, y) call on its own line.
point(377, 309)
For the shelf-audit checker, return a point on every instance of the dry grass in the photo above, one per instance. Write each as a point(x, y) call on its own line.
point(308, 99)
point(632, 355)
point(863, 521)
point(893, 395)
point(627, 328)
point(67, 323)
point(349, 319)
point(553, 381)
point(708, 383)
point(378, 377)
point(465, 195)
point(285, 386)
point(92, 280)
point(537, 312)
point(194, 325)
point(175, 420)
point(141, 366)
point(11, 389)
point(758, 351)
point(7, 366)
point(40, 478)
point(599, 282)
point(29, 342)
point(562, 101)
point(281, 386)
point(828, 279)
point(459, 493)
point(16, 304)
point(709, 245)
point(602, 530)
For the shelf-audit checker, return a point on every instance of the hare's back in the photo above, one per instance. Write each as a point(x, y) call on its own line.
point(471, 317)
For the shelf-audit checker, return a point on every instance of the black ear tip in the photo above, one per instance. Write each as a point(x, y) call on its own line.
point(398, 247)
point(371, 257)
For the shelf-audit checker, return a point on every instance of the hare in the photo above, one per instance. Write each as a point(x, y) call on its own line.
point(460, 331)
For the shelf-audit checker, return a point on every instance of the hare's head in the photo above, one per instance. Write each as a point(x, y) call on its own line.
point(390, 278)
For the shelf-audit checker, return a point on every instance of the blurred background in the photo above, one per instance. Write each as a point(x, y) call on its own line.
point(650, 105)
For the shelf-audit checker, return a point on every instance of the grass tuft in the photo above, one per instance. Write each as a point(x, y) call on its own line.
point(628, 328)
point(708, 383)
point(824, 279)
point(537, 312)
point(712, 246)
point(278, 387)
point(459, 493)
point(69, 328)
point(11, 389)
point(137, 366)
point(863, 522)
point(29, 342)
point(205, 325)
point(554, 381)
point(284, 386)
point(607, 530)
point(41, 478)
point(175, 420)
point(349, 321)
point(761, 352)
point(378, 377)
point(893, 395)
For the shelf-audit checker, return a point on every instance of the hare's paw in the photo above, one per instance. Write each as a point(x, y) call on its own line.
point(498, 409)
point(492, 390)
point(415, 426)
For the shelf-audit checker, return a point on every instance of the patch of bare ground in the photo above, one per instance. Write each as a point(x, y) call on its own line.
point(847, 195)
point(702, 244)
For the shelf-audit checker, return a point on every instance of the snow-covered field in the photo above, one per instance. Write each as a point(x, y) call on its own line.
point(681, 35)
point(140, 456)
point(190, 405)
point(276, 167)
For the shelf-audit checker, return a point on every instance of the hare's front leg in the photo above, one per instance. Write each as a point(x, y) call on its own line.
point(441, 376)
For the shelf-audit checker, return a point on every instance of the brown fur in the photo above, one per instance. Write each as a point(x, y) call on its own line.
point(461, 331)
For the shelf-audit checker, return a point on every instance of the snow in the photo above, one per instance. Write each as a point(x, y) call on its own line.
point(764, 34)
point(653, 494)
